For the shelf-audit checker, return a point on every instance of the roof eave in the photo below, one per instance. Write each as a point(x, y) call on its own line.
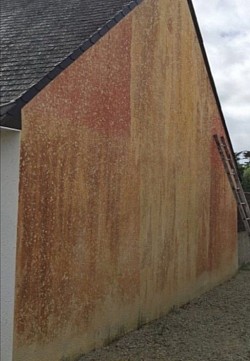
point(10, 116)
point(11, 113)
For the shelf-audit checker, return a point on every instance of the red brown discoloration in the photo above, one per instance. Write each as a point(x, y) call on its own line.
point(77, 212)
point(170, 25)
point(124, 208)
point(96, 91)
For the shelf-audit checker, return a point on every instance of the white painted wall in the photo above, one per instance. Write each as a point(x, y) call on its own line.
point(10, 154)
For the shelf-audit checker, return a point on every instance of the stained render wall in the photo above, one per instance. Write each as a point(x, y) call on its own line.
point(124, 208)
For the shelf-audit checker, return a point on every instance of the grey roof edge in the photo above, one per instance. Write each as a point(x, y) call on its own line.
point(10, 113)
point(9, 116)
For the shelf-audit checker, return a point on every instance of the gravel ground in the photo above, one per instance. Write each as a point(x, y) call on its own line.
point(214, 327)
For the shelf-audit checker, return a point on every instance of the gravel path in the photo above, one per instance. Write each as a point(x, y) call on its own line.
point(214, 327)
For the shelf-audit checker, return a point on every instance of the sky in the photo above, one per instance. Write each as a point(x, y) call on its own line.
point(225, 28)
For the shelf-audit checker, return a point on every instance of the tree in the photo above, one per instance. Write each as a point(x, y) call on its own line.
point(246, 179)
point(246, 156)
point(241, 166)
point(243, 162)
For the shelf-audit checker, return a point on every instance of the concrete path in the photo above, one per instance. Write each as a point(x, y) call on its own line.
point(214, 327)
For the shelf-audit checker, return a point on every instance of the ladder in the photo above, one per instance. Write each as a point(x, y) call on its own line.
point(230, 167)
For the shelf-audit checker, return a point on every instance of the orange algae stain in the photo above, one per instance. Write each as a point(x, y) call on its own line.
point(95, 89)
point(106, 74)
point(123, 211)
point(75, 139)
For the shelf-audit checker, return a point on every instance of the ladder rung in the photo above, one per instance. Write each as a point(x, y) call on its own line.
point(232, 173)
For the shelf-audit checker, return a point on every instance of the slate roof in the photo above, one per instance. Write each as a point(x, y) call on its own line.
point(36, 35)
point(40, 38)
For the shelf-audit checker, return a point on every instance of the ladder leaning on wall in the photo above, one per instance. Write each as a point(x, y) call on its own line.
point(234, 180)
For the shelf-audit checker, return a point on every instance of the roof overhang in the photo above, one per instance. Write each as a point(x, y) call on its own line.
point(10, 116)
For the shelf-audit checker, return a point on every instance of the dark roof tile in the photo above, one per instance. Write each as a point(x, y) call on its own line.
point(36, 35)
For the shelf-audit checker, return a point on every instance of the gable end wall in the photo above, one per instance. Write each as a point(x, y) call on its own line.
point(124, 208)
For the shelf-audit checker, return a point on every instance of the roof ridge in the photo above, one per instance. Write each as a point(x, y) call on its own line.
point(10, 113)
